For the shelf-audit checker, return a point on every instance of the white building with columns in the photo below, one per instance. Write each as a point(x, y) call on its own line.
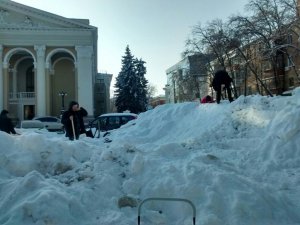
point(41, 56)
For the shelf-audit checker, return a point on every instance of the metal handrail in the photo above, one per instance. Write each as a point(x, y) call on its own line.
point(22, 95)
point(167, 199)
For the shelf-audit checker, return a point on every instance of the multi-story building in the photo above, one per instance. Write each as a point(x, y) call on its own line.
point(271, 67)
point(275, 70)
point(187, 80)
point(45, 60)
point(102, 93)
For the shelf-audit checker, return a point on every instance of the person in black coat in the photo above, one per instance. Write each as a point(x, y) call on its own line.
point(222, 77)
point(75, 114)
point(6, 124)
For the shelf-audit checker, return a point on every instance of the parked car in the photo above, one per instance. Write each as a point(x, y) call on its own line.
point(31, 124)
point(111, 121)
point(51, 123)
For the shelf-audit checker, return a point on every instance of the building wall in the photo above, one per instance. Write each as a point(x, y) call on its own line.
point(187, 80)
point(102, 93)
point(61, 51)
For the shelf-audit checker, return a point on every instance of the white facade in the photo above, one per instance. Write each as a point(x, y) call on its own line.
point(187, 80)
point(41, 55)
point(182, 68)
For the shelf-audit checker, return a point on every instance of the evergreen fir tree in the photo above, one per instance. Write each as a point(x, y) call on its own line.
point(142, 82)
point(131, 85)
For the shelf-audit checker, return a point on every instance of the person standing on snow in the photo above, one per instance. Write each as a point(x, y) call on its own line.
point(222, 77)
point(6, 124)
point(72, 119)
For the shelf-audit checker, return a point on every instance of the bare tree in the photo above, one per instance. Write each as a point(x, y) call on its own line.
point(249, 39)
point(266, 25)
point(217, 41)
point(151, 91)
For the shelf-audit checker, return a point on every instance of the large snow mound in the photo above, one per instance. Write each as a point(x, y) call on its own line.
point(238, 163)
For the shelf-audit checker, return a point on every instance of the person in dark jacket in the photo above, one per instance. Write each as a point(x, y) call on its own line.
point(6, 124)
point(75, 114)
point(222, 77)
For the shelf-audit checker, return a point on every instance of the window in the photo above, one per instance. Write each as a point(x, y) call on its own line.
point(30, 80)
point(113, 123)
point(103, 122)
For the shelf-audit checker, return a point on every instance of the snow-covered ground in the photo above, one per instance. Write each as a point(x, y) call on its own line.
point(238, 163)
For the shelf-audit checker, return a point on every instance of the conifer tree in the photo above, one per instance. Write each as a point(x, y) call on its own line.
point(131, 85)
point(142, 83)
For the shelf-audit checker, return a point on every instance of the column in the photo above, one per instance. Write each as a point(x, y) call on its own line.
point(5, 85)
point(85, 77)
point(1, 78)
point(48, 112)
point(14, 81)
point(40, 89)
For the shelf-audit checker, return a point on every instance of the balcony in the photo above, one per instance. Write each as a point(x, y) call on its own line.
point(22, 97)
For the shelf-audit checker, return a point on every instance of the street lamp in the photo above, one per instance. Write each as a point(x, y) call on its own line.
point(62, 94)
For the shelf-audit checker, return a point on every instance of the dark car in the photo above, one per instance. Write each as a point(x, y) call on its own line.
point(111, 121)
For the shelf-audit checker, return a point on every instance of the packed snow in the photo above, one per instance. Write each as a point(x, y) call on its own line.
point(238, 163)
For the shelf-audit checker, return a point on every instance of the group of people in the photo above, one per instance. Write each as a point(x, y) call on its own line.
point(72, 119)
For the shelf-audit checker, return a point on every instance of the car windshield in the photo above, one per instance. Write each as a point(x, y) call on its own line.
point(110, 122)
point(47, 119)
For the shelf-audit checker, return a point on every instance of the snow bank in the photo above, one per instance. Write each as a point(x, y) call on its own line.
point(239, 163)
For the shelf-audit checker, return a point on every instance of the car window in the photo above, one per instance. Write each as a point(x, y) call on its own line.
point(103, 122)
point(114, 121)
point(111, 122)
point(125, 119)
point(47, 119)
point(51, 120)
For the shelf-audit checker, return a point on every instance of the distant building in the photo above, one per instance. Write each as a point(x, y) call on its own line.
point(102, 95)
point(156, 101)
point(265, 66)
point(187, 80)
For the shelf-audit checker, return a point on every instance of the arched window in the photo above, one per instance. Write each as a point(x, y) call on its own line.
point(30, 79)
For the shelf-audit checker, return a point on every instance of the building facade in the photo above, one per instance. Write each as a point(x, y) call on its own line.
point(43, 55)
point(187, 80)
point(102, 93)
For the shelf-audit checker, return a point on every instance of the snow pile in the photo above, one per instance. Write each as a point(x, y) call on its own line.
point(238, 163)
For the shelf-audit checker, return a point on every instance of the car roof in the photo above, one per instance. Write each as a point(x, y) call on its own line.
point(117, 114)
point(45, 117)
point(32, 124)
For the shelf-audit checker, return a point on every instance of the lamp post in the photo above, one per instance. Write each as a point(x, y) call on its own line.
point(62, 94)
point(174, 90)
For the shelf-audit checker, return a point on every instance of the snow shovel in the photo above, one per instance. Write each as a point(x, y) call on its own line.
point(73, 129)
point(168, 199)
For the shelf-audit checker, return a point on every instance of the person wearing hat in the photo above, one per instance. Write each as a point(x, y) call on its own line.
point(6, 124)
point(72, 119)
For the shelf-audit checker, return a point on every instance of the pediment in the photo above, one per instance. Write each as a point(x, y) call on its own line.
point(15, 15)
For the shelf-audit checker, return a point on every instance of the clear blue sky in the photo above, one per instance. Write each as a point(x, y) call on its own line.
point(155, 30)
